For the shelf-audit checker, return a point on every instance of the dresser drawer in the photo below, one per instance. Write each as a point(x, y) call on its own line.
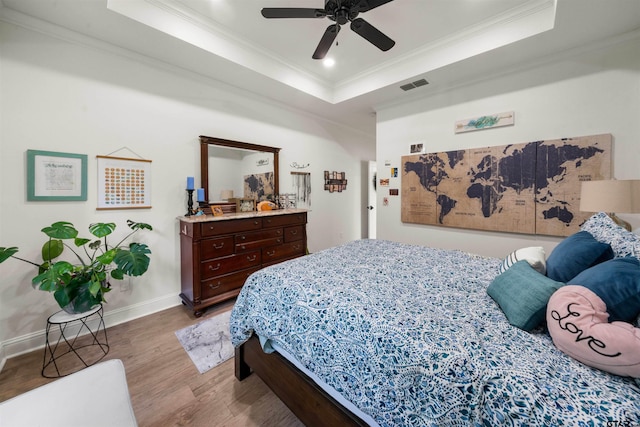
point(221, 284)
point(280, 220)
point(286, 250)
point(215, 248)
point(215, 228)
point(258, 235)
point(228, 264)
point(257, 244)
point(291, 234)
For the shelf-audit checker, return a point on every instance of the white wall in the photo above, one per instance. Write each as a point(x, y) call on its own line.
point(583, 93)
point(79, 95)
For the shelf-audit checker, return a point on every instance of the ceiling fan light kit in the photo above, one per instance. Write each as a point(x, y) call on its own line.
point(341, 12)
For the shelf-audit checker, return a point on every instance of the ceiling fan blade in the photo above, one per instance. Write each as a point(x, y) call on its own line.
point(328, 37)
point(372, 34)
point(292, 12)
point(366, 5)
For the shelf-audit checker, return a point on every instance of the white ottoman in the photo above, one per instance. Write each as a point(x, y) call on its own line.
point(96, 396)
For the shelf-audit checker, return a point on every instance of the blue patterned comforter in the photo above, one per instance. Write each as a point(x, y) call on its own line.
point(409, 335)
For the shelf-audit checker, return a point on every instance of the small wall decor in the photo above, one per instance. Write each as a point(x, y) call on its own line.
point(262, 162)
point(335, 181)
point(302, 187)
point(485, 122)
point(53, 176)
point(417, 148)
point(295, 165)
point(124, 183)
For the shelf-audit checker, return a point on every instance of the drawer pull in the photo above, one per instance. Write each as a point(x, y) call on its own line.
point(297, 247)
point(255, 223)
point(293, 232)
point(279, 232)
point(251, 258)
point(212, 268)
point(243, 237)
point(271, 253)
point(215, 246)
point(279, 240)
point(212, 286)
point(243, 247)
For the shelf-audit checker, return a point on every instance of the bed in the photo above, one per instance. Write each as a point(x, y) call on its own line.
point(376, 332)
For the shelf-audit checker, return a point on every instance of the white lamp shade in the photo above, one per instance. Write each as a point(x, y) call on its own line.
point(226, 194)
point(617, 196)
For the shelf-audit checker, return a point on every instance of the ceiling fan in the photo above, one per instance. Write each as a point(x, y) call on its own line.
point(340, 11)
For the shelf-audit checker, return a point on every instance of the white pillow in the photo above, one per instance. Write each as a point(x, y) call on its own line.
point(534, 255)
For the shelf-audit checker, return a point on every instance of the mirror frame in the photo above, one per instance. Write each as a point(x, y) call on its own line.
point(206, 141)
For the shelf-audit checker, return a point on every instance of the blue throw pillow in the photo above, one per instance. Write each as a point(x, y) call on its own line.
point(522, 293)
point(617, 283)
point(575, 254)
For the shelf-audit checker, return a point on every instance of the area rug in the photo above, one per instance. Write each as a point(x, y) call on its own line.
point(208, 343)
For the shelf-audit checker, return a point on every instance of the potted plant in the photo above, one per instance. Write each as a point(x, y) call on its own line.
point(77, 287)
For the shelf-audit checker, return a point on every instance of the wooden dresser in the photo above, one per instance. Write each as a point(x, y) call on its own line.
point(217, 254)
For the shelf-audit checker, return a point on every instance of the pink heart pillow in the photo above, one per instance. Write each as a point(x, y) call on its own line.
point(577, 322)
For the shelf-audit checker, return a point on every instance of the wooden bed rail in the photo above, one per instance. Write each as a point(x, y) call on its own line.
point(312, 405)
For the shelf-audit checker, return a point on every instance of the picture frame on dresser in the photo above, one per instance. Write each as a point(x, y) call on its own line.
point(245, 205)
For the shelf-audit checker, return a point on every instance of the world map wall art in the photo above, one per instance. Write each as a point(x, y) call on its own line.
point(531, 188)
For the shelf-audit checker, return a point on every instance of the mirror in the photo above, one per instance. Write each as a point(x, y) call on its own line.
point(249, 170)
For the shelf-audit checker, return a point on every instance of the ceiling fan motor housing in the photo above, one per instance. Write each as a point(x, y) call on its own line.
point(342, 11)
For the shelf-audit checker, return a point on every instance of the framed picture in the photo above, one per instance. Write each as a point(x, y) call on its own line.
point(217, 210)
point(245, 205)
point(123, 183)
point(53, 176)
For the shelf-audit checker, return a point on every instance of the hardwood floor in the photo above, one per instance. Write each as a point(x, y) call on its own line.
point(165, 386)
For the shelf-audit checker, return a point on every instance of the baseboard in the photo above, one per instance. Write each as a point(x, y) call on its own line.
point(26, 343)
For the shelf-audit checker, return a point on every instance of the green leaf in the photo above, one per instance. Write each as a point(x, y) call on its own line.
point(94, 288)
point(138, 225)
point(6, 253)
point(107, 257)
point(56, 275)
point(95, 245)
point(52, 249)
point(117, 274)
point(61, 230)
point(133, 262)
point(81, 241)
point(102, 229)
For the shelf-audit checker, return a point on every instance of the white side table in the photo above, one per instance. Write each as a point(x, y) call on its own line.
point(83, 335)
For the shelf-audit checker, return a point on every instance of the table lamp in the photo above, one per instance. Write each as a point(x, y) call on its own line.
point(611, 196)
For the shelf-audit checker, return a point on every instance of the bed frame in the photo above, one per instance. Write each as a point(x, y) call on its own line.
point(312, 405)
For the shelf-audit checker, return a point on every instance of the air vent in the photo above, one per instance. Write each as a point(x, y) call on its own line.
point(413, 85)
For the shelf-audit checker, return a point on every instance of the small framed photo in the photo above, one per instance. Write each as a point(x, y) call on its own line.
point(245, 205)
point(217, 210)
point(417, 148)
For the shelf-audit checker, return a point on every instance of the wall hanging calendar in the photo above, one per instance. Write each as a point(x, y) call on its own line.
point(124, 183)
point(53, 176)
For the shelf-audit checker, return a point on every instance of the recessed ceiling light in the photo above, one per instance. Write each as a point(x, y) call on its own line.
point(329, 62)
